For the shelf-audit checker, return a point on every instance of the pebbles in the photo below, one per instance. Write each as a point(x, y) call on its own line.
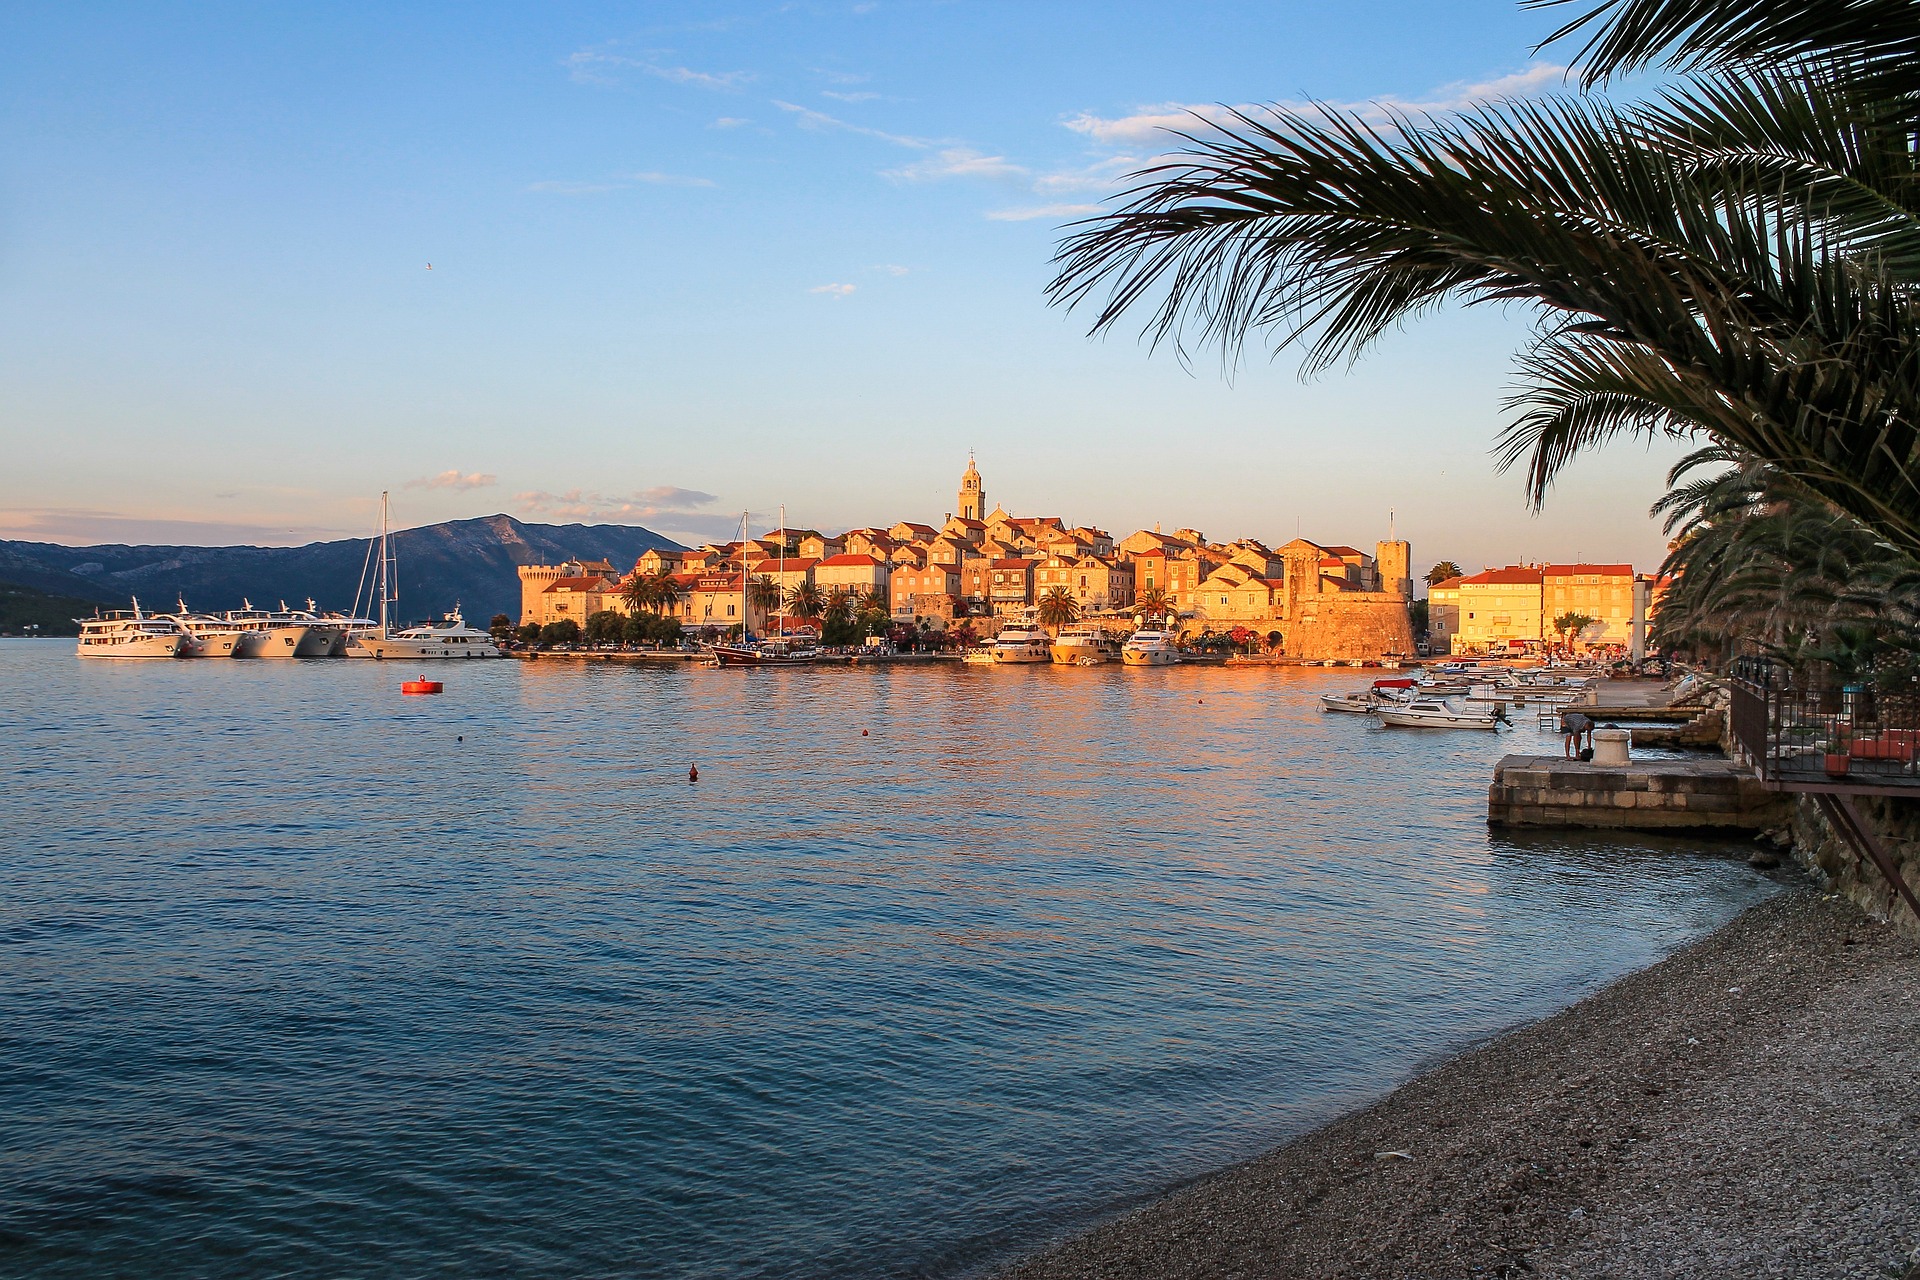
point(1750, 1106)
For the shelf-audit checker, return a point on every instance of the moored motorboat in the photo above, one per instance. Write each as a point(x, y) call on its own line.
point(1022, 642)
point(451, 637)
point(1439, 713)
point(1084, 645)
point(290, 633)
point(1150, 647)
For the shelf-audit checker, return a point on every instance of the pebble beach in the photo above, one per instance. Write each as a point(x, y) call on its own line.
point(1749, 1106)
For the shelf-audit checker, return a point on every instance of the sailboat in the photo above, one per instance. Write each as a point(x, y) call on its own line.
point(451, 637)
point(769, 651)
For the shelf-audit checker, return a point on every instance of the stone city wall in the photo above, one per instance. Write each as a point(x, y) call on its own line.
point(1832, 862)
point(1349, 624)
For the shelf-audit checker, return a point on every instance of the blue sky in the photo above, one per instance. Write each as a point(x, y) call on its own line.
point(694, 258)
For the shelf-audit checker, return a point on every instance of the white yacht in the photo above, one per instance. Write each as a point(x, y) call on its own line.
point(1085, 645)
point(451, 637)
point(1022, 642)
point(123, 634)
point(1439, 713)
point(1150, 647)
point(291, 633)
point(217, 638)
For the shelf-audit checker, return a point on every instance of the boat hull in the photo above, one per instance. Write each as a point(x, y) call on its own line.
point(425, 649)
point(1423, 720)
point(213, 645)
point(138, 647)
point(738, 656)
point(1149, 657)
point(1081, 655)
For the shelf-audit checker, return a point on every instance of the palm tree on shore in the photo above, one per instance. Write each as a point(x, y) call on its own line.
point(638, 592)
point(1735, 259)
point(838, 610)
point(875, 600)
point(1445, 571)
point(763, 593)
point(1153, 602)
point(1058, 608)
point(804, 602)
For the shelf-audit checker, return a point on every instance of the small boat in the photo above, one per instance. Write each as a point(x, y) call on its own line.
point(1439, 713)
point(774, 651)
point(1150, 647)
point(1022, 642)
point(1085, 645)
point(1359, 703)
point(121, 634)
point(981, 657)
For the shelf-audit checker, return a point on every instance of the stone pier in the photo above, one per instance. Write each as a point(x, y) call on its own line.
point(1644, 795)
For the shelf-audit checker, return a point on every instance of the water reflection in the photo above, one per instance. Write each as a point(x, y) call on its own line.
point(294, 976)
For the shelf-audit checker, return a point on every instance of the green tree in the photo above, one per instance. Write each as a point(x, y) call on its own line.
point(606, 626)
point(1058, 608)
point(1570, 624)
point(804, 602)
point(1153, 603)
point(501, 627)
point(528, 633)
point(838, 619)
point(874, 600)
point(1420, 615)
point(1735, 259)
point(763, 593)
point(1442, 572)
point(565, 631)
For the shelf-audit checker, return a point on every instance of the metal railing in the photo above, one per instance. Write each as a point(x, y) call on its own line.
point(1805, 729)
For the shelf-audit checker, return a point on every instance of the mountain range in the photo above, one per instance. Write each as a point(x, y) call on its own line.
point(468, 562)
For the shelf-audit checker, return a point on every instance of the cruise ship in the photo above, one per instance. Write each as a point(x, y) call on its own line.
point(131, 634)
point(212, 637)
point(291, 633)
point(1085, 645)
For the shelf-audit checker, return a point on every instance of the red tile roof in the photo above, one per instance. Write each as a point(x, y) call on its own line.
point(850, 558)
point(583, 584)
point(1568, 570)
point(1013, 562)
point(1512, 575)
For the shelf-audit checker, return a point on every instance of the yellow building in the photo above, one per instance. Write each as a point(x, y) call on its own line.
point(1499, 611)
point(1603, 592)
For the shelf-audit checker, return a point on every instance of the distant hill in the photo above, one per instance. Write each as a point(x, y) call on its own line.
point(468, 561)
point(24, 611)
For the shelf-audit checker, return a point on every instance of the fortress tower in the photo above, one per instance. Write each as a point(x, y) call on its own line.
point(973, 497)
point(1394, 558)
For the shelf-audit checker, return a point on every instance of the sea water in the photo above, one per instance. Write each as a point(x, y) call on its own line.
point(302, 977)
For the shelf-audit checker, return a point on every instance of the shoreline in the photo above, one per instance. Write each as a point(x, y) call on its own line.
point(1749, 1105)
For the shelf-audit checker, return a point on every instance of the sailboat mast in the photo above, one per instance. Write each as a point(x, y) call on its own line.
point(384, 630)
point(782, 606)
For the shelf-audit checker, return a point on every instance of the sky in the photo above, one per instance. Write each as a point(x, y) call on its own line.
point(690, 259)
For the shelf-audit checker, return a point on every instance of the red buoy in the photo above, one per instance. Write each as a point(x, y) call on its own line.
point(422, 685)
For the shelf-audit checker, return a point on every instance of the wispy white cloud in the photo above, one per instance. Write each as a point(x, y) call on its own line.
point(957, 162)
point(863, 95)
point(80, 527)
point(808, 118)
point(671, 180)
point(835, 291)
point(1041, 211)
point(594, 66)
point(1152, 125)
point(730, 122)
point(457, 480)
point(892, 269)
point(667, 504)
point(559, 188)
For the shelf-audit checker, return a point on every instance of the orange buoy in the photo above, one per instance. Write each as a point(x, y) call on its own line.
point(422, 685)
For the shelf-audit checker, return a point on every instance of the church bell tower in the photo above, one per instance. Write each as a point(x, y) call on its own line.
point(973, 498)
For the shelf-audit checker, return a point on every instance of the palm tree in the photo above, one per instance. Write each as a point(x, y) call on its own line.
point(1058, 608)
point(666, 592)
point(804, 602)
point(1443, 572)
point(1736, 259)
point(639, 592)
point(838, 610)
point(1153, 602)
point(763, 593)
point(1571, 624)
point(875, 601)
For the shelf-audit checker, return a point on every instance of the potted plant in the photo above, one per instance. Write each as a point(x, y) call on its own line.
point(1840, 750)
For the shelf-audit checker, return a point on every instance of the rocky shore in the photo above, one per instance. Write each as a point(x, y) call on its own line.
point(1748, 1107)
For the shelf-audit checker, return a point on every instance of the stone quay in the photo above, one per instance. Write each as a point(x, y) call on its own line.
point(1643, 795)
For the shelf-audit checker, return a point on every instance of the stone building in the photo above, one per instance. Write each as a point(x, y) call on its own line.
point(574, 589)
